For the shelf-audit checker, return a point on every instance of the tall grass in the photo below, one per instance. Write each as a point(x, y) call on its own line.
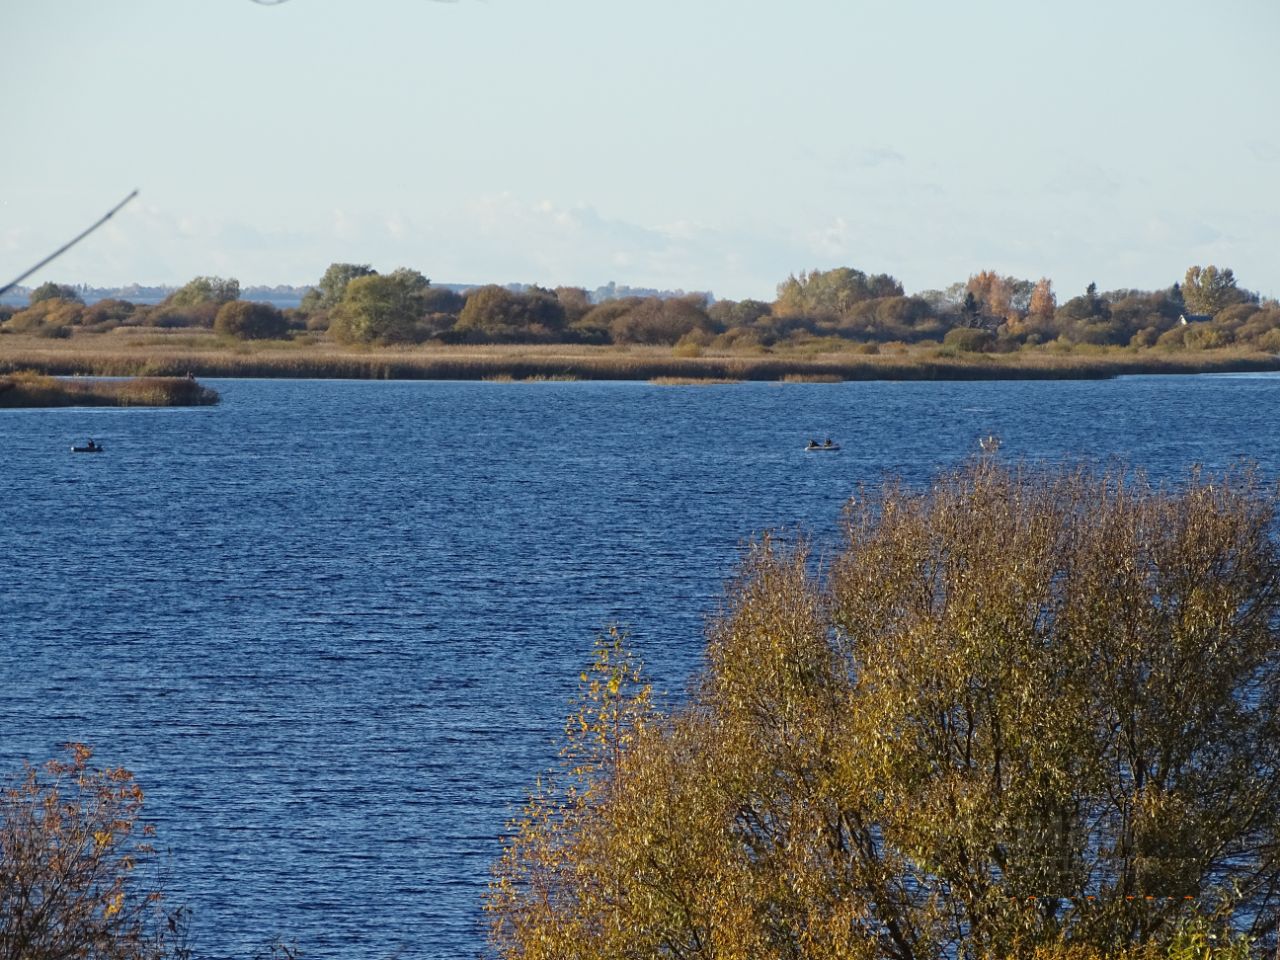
point(28, 389)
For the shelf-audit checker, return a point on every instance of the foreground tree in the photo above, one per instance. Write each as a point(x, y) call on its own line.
point(1023, 714)
point(75, 868)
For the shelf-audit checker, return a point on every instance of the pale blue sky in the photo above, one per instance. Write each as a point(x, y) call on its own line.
point(717, 144)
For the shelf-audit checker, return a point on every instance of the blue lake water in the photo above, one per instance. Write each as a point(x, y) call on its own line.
point(333, 627)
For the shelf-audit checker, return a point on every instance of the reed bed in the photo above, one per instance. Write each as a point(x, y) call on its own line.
point(812, 378)
point(688, 382)
point(28, 389)
point(99, 355)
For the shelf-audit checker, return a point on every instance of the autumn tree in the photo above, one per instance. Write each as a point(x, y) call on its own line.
point(48, 315)
point(993, 291)
point(1207, 289)
point(1043, 300)
point(1024, 713)
point(576, 302)
point(77, 876)
point(496, 313)
point(661, 320)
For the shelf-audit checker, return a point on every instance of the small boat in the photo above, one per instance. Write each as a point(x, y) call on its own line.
point(828, 446)
point(90, 447)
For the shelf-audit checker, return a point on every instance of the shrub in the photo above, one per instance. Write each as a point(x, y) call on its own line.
point(969, 340)
point(106, 314)
point(691, 344)
point(1146, 337)
point(1022, 711)
point(250, 321)
point(45, 314)
point(1206, 336)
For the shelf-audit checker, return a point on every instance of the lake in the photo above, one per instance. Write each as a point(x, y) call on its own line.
point(333, 627)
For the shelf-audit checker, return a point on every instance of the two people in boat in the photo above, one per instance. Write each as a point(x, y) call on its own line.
point(815, 445)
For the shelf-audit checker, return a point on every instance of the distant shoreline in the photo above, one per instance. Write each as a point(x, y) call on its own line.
point(148, 354)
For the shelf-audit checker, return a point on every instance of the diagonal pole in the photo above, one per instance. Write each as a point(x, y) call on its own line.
point(68, 245)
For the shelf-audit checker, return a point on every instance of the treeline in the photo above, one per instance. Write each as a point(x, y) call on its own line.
point(989, 312)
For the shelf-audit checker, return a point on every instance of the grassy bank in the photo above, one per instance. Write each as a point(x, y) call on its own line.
point(38, 390)
point(151, 353)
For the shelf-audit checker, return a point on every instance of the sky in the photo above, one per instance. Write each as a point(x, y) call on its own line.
point(713, 145)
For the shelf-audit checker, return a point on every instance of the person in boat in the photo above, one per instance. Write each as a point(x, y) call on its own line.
point(91, 445)
point(813, 444)
point(827, 443)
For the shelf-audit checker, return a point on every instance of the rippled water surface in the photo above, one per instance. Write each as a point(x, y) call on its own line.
point(333, 626)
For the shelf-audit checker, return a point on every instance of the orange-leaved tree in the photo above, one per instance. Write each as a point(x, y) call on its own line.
point(77, 867)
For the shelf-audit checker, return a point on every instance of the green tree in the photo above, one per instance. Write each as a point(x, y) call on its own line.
point(203, 290)
point(1090, 306)
point(248, 320)
point(737, 313)
point(327, 294)
point(1022, 714)
point(378, 308)
point(77, 875)
point(831, 292)
point(1207, 289)
point(55, 291)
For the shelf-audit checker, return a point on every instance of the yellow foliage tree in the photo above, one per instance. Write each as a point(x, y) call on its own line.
point(1022, 714)
point(1043, 300)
